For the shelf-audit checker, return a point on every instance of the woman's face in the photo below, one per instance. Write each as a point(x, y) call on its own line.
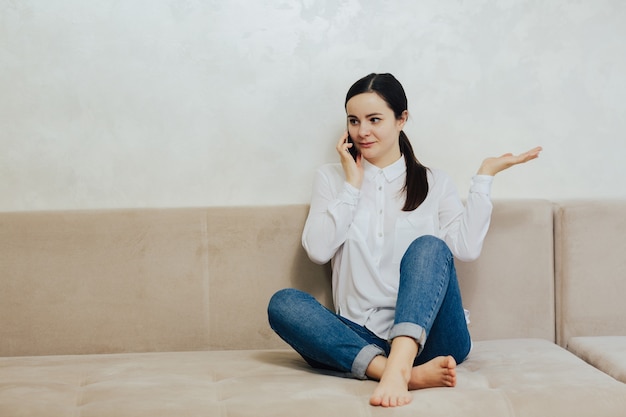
point(373, 127)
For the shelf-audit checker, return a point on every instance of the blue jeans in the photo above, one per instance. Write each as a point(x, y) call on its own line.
point(428, 309)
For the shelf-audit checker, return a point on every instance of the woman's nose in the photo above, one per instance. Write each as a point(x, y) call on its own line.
point(364, 130)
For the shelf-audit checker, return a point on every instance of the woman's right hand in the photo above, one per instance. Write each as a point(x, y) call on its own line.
point(352, 168)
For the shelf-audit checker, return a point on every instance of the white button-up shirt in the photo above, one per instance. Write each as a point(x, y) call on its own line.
point(364, 233)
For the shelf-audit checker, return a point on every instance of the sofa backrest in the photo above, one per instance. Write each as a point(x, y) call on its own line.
point(103, 281)
point(254, 252)
point(200, 278)
point(112, 281)
point(509, 289)
point(590, 268)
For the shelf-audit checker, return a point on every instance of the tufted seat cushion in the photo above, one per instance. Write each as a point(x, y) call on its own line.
point(607, 353)
point(531, 376)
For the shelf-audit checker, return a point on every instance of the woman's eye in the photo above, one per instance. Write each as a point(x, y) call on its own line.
point(353, 122)
point(375, 119)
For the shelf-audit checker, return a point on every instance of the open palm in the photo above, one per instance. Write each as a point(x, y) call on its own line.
point(493, 165)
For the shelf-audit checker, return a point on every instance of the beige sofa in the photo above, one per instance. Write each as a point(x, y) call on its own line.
point(162, 312)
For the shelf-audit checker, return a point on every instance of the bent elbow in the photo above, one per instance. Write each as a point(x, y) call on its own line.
point(469, 255)
point(316, 255)
point(320, 260)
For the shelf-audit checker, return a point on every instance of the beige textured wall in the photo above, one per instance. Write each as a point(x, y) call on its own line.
point(190, 102)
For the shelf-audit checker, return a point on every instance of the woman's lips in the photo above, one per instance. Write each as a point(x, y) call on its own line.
point(366, 144)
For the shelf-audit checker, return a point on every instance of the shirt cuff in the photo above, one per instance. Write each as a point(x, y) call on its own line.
point(481, 184)
point(350, 194)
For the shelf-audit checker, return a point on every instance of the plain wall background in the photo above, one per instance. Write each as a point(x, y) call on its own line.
point(167, 103)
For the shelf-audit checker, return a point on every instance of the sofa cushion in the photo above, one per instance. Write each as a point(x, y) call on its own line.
point(590, 268)
point(523, 377)
point(103, 281)
point(142, 280)
point(509, 289)
point(607, 353)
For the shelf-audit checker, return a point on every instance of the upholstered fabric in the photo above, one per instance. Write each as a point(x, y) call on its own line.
point(502, 378)
point(148, 280)
point(196, 279)
point(151, 312)
point(103, 282)
point(509, 290)
point(607, 353)
point(590, 239)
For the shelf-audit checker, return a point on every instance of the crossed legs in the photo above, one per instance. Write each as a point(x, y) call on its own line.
point(428, 308)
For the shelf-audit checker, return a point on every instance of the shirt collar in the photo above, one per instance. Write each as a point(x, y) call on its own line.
point(391, 172)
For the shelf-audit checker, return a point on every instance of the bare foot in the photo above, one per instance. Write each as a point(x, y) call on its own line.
point(438, 372)
point(392, 390)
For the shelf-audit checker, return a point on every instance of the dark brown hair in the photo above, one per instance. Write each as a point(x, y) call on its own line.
point(389, 89)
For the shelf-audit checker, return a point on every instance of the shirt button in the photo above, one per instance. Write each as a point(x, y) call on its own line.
point(380, 187)
point(380, 235)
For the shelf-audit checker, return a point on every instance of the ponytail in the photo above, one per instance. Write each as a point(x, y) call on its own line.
point(416, 185)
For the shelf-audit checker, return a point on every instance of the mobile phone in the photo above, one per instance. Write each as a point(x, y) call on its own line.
point(353, 151)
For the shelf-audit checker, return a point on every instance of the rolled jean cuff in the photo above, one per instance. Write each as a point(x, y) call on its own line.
point(412, 330)
point(363, 359)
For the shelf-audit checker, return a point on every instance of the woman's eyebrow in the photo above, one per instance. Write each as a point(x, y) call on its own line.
point(366, 116)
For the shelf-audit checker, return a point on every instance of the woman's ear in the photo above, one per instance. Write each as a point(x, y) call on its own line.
point(403, 119)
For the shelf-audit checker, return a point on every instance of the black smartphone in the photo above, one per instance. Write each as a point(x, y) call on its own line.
point(352, 149)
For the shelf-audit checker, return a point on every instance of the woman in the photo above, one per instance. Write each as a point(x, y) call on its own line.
point(390, 228)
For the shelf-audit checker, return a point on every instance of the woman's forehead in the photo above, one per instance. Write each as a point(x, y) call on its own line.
point(367, 103)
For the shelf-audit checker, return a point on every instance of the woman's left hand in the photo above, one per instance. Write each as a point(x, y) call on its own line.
point(491, 166)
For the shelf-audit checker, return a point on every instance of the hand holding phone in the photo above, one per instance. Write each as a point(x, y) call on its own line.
point(353, 151)
point(352, 166)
